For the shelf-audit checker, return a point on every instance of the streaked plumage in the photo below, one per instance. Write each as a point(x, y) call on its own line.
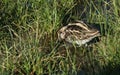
point(77, 33)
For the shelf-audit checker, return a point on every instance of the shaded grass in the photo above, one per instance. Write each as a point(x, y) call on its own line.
point(28, 35)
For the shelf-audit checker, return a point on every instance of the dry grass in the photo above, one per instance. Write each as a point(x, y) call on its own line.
point(28, 36)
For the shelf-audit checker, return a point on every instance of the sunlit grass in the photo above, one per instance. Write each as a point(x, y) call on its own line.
point(28, 36)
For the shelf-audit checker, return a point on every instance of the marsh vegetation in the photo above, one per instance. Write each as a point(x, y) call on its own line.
point(28, 36)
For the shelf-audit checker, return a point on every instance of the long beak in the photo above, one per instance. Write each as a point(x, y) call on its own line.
point(57, 45)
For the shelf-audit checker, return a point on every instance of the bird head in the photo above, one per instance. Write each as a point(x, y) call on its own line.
point(61, 34)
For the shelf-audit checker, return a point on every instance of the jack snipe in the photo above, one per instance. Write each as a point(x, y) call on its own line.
point(77, 33)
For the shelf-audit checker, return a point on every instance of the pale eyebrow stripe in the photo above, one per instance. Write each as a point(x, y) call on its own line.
point(79, 24)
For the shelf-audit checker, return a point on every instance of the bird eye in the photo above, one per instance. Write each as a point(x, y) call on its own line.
point(84, 33)
point(60, 32)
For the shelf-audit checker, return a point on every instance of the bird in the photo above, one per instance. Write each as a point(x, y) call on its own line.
point(77, 33)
